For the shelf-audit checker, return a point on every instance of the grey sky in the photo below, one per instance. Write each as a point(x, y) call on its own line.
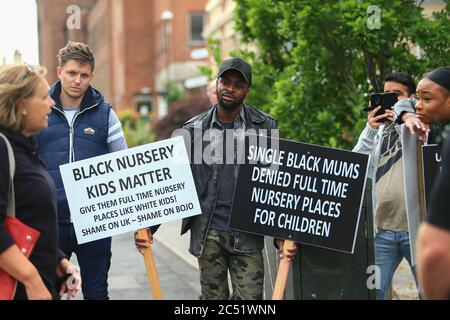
point(18, 30)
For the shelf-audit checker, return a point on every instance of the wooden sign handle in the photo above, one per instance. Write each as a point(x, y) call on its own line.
point(283, 272)
point(422, 208)
point(152, 274)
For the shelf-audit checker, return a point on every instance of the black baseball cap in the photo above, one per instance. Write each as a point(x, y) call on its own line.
point(239, 65)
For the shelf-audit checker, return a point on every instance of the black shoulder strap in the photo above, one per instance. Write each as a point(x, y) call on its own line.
point(11, 208)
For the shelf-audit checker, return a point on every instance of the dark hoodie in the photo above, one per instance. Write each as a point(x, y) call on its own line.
point(35, 205)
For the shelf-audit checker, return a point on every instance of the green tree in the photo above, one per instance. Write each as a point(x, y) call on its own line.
point(317, 61)
point(135, 127)
point(174, 93)
point(214, 48)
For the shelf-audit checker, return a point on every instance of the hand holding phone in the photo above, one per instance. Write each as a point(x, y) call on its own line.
point(375, 121)
point(385, 101)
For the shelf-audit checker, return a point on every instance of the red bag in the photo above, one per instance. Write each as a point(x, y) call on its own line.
point(24, 236)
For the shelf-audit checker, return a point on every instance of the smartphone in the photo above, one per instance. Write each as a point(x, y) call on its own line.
point(386, 100)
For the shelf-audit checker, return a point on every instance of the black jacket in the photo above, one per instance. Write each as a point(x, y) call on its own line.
point(35, 205)
point(206, 178)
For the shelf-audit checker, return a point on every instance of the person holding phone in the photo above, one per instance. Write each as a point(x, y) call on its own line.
point(381, 139)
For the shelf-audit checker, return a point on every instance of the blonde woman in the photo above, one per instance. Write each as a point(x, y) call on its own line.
point(24, 105)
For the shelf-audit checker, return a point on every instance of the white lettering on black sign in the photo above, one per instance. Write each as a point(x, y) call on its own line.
point(312, 195)
point(431, 167)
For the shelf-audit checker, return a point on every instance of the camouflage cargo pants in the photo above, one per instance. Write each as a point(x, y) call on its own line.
point(246, 269)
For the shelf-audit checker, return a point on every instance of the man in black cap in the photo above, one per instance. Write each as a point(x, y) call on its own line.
point(217, 248)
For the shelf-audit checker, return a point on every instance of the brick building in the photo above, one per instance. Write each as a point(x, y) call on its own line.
point(136, 51)
point(220, 26)
point(53, 32)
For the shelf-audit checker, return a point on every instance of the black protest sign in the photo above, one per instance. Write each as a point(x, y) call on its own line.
point(431, 166)
point(301, 192)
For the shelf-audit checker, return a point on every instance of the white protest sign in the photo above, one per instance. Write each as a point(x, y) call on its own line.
point(130, 189)
point(410, 176)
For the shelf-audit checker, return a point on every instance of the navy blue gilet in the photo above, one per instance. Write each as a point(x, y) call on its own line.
point(90, 134)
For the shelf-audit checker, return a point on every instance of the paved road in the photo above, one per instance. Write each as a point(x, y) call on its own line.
point(404, 287)
point(177, 270)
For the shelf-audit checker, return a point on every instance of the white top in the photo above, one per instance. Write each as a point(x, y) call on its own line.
point(116, 139)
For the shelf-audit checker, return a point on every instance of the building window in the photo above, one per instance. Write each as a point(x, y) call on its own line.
point(196, 24)
point(142, 102)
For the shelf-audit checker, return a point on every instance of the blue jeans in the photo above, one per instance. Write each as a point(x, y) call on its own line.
point(390, 248)
point(94, 259)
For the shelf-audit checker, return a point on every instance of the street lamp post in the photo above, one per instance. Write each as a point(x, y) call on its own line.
point(166, 17)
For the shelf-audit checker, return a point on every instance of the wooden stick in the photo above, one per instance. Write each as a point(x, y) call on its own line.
point(151, 268)
point(283, 272)
point(423, 210)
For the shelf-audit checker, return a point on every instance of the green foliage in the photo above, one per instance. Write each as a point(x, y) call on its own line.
point(214, 47)
point(174, 93)
point(135, 128)
point(317, 61)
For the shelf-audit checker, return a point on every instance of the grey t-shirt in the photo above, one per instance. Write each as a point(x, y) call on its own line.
point(221, 215)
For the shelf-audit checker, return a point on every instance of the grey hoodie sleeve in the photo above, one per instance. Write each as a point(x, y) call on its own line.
point(368, 143)
point(366, 140)
point(402, 106)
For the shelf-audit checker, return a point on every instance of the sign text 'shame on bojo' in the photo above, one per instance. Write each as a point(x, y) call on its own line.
point(130, 189)
point(301, 192)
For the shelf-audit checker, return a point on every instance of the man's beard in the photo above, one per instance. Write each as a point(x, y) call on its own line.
point(230, 105)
